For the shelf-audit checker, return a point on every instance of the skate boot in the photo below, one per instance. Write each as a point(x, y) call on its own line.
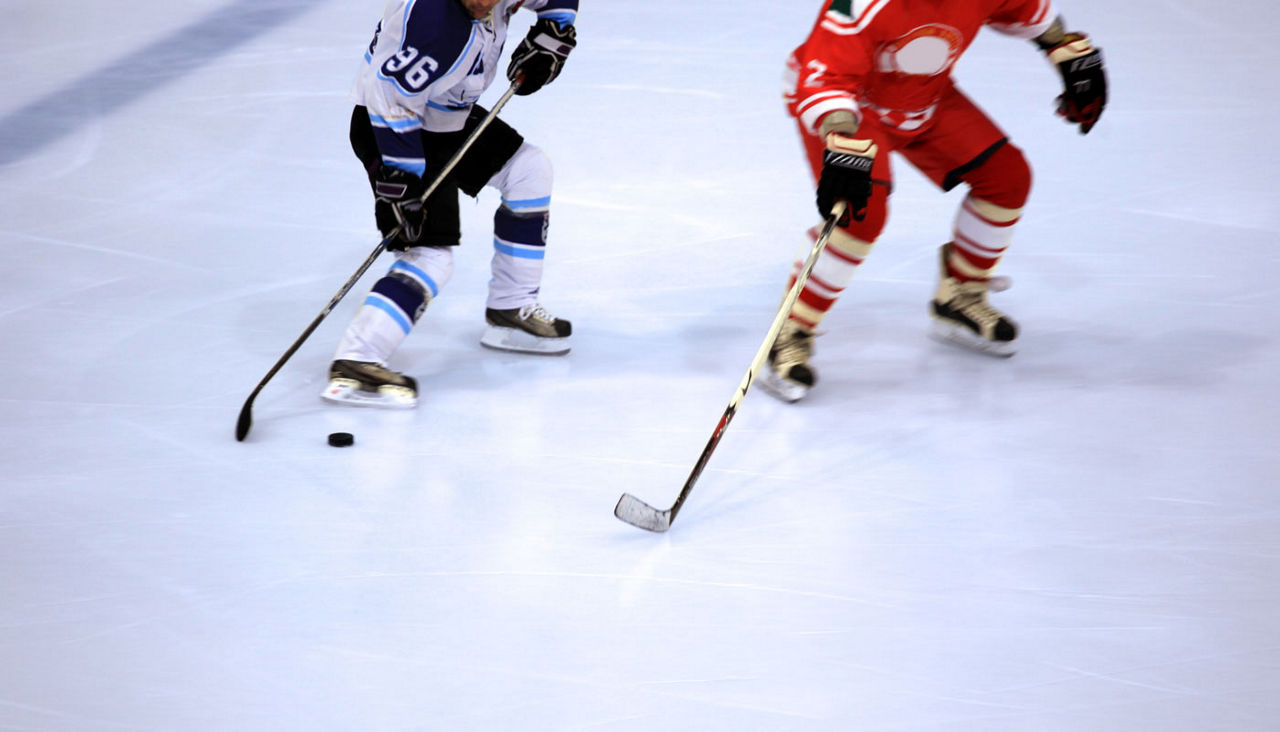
point(961, 315)
point(528, 329)
point(367, 384)
point(789, 376)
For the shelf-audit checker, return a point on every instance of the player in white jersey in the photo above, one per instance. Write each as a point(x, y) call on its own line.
point(428, 64)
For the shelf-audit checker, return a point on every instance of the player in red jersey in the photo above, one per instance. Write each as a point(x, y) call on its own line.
point(874, 77)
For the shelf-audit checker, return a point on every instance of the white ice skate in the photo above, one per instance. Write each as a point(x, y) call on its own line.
point(365, 384)
point(788, 375)
point(529, 329)
point(962, 315)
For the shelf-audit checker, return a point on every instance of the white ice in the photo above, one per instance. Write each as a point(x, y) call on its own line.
point(1084, 537)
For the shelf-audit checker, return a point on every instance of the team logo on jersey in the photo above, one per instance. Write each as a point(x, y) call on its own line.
point(929, 50)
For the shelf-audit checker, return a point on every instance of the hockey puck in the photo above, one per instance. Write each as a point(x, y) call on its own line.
point(341, 439)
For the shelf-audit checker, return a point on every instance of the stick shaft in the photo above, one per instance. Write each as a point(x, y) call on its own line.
point(780, 318)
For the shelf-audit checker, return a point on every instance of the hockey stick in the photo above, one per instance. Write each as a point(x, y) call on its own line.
point(246, 412)
point(638, 513)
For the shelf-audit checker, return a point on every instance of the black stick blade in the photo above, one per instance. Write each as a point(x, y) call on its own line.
point(245, 421)
point(640, 514)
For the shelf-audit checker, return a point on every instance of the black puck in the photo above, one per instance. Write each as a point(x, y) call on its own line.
point(341, 439)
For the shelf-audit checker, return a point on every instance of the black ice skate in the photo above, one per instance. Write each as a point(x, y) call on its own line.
point(366, 384)
point(529, 329)
point(961, 315)
point(789, 376)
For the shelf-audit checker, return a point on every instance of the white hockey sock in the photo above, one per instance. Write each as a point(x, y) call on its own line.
point(832, 273)
point(983, 232)
point(394, 305)
point(520, 228)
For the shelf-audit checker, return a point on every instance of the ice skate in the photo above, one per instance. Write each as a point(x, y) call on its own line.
point(788, 375)
point(366, 384)
point(961, 315)
point(528, 329)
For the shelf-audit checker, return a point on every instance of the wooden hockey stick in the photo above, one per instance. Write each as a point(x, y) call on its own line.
point(246, 412)
point(638, 513)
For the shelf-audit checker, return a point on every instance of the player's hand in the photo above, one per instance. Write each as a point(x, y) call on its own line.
point(403, 191)
point(1084, 80)
point(846, 176)
point(540, 56)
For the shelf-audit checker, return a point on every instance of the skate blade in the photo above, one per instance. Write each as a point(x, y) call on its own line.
point(787, 391)
point(345, 392)
point(963, 337)
point(515, 340)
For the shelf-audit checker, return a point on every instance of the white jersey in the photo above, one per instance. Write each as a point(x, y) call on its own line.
point(429, 63)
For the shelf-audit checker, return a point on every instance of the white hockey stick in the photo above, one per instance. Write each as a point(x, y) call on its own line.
point(638, 513)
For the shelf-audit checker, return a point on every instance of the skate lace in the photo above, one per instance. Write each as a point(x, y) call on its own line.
point(975, 306)
point(794, 347)
point(537, 312)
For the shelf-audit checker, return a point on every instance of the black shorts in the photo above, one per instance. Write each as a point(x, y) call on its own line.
point(486, 156)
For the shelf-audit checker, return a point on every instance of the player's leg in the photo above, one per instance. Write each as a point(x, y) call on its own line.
point(521, 173)
point(790, 374)
point(965, 146)
point(516, 320)
point(358, 374)
point(982, 233)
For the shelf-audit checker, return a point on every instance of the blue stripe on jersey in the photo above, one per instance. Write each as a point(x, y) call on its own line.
point(408, 10)
point(402, 151)
point(388, 307)
point(471, 41)
point(519, 251)
point(399, 162)
point(528, 204)
point(400, 125)
point(416, 166)
point(418, 274)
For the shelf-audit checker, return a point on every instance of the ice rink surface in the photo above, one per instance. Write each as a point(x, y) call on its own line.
point(1083, 537)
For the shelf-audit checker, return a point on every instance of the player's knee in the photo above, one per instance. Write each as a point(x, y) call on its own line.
point(877, 213)
point(400, 296)
point(1004, 179)
point(428, 268)
point(525, 181)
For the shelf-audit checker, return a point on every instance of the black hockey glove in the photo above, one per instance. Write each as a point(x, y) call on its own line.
point(402, 191)
point(1084, 80)
point(541, 55)
point(846, 176)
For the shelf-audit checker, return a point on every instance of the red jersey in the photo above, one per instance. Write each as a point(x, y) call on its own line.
point(893, 58)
